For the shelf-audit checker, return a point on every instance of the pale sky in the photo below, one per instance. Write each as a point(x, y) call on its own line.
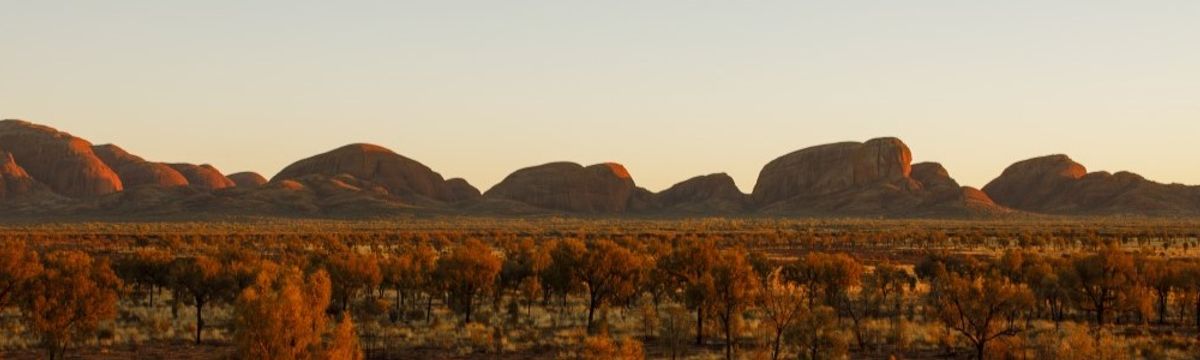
point(671, 89)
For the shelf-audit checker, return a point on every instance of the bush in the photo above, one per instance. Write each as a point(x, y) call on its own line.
point(69, 299)
point(604, 348)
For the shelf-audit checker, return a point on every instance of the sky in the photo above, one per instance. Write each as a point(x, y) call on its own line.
point(670, 89)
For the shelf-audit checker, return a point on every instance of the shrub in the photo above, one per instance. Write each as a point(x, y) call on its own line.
point(604, 348)
point(69, 299)
point(282, 316)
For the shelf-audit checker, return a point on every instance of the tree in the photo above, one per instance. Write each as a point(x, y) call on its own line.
point(282, 316)
point(1189, 278)
point(782, 304)
point(1162, 277)
point(1100, 280)
point(352, 273)
point(735, 286)
point(411, 271)
point(468, 270)
point(815, 333)
point(889, 283)
point(69, 298)
point(523, 266)
point(147, 269)
point(690, 266)
point(1048, 279)
point(825, 277)
point(980, 309)
point(18, 265)
point(675, 330)
point(878, 286)
point(609, 272)
point(558, 279)
point(200, 281)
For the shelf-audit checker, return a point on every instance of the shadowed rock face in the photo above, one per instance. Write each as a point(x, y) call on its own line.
point(832, 168)
point(563, 186)
point(714, 193)
point(871, 178)
point(1031, 184)
point(14, 181)
point(203, 176)
point(247, 179)
point(63, 162)
point(1057, 184)
point(135, 171)
point(881, 160)
point(933, 176)
point(461, 190)
point(401, 176)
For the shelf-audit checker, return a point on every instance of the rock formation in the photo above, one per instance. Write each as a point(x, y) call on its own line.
point(1031, 184)
point(710, 194)
point(47, 172)
point(63, 162)
point(402, 177)
point(933, 175)
point(871, 178)
point(14, 181)
point(832, 168)
point(1058, 185)
point(247, 179)
point(461, 190)
point(569, 187)
point(203, 176)
point(135, 171)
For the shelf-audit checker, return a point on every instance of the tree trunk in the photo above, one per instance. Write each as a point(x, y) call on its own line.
point(858, 335)
point(1162, 308)
point(591, 314)
point(728, 336)
point(776, 343)
point(199, 320)
point(470, 304)
point(699, 325)
point(429, 309)
point(979, 350)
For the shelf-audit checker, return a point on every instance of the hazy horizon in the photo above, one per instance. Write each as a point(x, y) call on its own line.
point(670, 89)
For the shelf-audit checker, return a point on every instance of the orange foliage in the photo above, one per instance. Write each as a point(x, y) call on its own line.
point(467, 271)
point(18, 266)
point(282, 316)
point(69, 299)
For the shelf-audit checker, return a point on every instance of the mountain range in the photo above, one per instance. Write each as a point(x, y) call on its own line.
point(48, 173)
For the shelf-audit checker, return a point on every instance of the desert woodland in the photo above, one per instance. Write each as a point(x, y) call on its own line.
point(599, 180)
point(602, 289)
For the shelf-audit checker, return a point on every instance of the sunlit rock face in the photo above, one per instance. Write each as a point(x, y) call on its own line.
point(135, 171)
point(14, 181)
point(203, 176)
point(66, 164)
